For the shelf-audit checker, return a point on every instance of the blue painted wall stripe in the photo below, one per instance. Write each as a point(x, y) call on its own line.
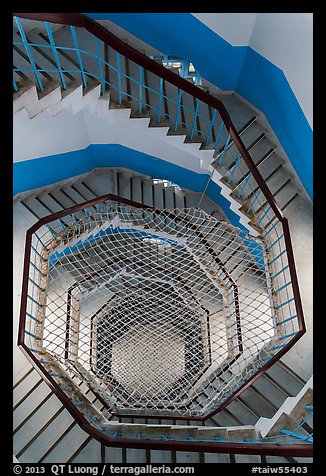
point(48, 170)
point(237, 68)
point(44, 171)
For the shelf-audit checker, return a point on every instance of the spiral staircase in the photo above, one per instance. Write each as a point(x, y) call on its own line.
point(61, 412)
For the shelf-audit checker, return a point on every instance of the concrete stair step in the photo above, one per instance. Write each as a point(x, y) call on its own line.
point(271, 391)
point(56, 429)
point(30, 405)
point(83, 188)
point(124, 187)
point(36, 207)
point(136, 456)
point(225, 418)
point(113, 454)
point(247, 459)
point(136, 188)
point(101, 182)
point(158, 195)
point(84, 449)
point(242, 412)
point(284, 377)
point(161, 457)
point(179, 199)
point(40, 37)
point(256, 403)
point(36, 424)
point(217, 458)
point(27, 385)
point(169, 201)
point(66, 447)
point(187, 458)
point(148, 192)
point(179, 432)
point(88, 452)
point(239, 112)
point(249, 136)
point(63, 198)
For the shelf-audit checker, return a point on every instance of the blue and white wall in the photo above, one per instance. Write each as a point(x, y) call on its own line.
point(264, 57)
point(74, 143)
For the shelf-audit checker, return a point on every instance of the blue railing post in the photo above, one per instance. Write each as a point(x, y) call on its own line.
point(244, 185)
point(29, 53)
point(194, 120)
point(99, 64)
point(197, 79)
point(74, 36)
point(184, 73)
point(219, 135)
point(234, 168)
point(254, 201)
point(211, 126)
point(178, 110)
point(55, 53)
point(140, 104)
point(15, 85)
point(224, 149)
point(159, 108)
point(119, 77)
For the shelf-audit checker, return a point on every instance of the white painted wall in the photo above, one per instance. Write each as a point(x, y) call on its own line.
point(87, 128)
point(235, 28)
point(285, 39)
point(96, 124)
point(77, 131)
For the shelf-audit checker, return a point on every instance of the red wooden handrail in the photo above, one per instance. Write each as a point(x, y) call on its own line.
point(80, 20)
point(99, 31)
point(304, 450)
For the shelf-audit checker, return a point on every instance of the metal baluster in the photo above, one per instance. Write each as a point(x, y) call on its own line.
point(234, 168)
point(194, 121)
point(244, 185)
point(74, 36)
point(160, 102)
point(211, 127)
point(219, 136)
point(29, 53)
point(140, 106)
point(55, 53)
point(119, 77)
point(99, 63)
point(178, 110)
point(224, 149)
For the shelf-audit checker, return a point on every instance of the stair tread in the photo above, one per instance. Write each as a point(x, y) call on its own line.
point(217, 458)
point(25, 386)
point(251, 404)
point(25, 409)
point(290, 382)
point(91, 453)
point(36, 423)
point(158, 456)
point(136, 455)
point(188, 458)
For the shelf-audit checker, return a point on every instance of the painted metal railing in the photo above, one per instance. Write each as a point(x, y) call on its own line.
point(165, 95)
point(185, 68)
point(303, 430)
point(43, 333)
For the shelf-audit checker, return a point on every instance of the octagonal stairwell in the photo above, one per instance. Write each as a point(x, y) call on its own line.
point(214, 326)
point(243, 410)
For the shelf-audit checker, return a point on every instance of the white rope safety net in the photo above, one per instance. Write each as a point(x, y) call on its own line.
point(160, 312)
